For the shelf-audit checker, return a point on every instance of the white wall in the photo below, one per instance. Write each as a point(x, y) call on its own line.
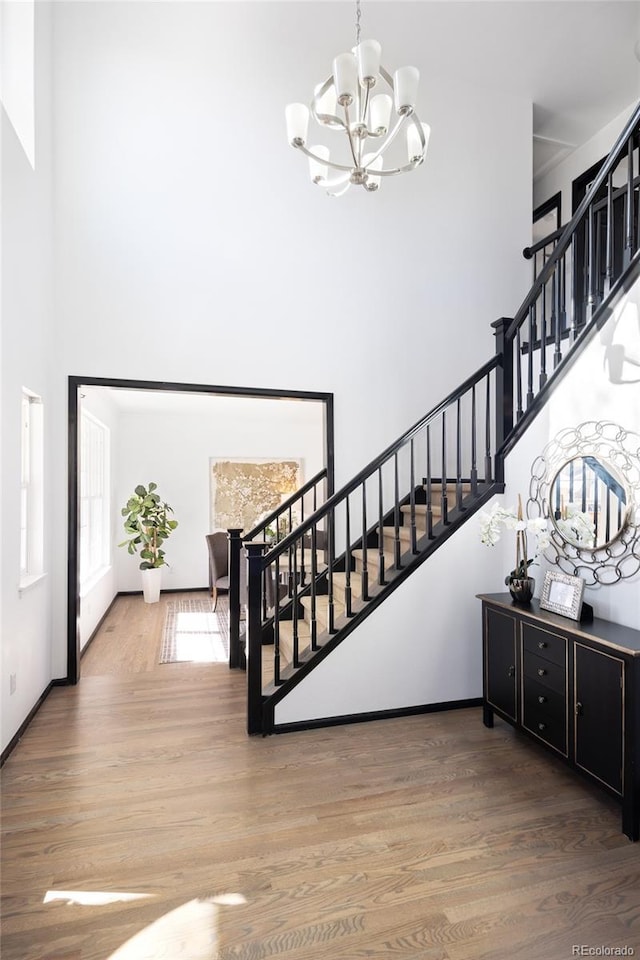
point(27, 357)
point(174, 450)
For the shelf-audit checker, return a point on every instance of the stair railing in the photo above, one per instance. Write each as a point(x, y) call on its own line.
point(585, 262)
point(363, 537)
point(273, 527)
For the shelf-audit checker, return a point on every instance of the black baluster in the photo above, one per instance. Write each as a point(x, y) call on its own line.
point(591, 272)
point(519, 410)
point(364, 575)
point(314, 577)
point(532, 327)
point(428, 486)
point(474, 452)
point(397, 550)
point(412, 498)
point(236, 656)
point(608, 271)
point(488, 474)
point(574, 305)
point(276, 623)
point(330, 564)
point(557, 328)
point(443, 472)
point(458, 457)
point(628, 241)
point(254, 645)
point(543, 344)
point(381, 570)
point(347, 588)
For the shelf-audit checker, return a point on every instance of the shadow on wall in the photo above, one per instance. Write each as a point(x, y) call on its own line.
point(620, 338)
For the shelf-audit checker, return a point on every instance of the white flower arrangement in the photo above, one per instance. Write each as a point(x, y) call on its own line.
point(512, 519)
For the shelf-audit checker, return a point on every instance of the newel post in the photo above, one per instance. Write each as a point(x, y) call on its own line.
point(235, 547)
point(254, 629)
point(504, 389)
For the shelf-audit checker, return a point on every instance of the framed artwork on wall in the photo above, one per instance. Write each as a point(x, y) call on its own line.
point(244, 489)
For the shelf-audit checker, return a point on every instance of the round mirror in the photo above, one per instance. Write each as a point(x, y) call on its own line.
point(588, 502)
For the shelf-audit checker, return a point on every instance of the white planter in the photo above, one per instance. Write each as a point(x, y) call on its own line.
point(151, 580)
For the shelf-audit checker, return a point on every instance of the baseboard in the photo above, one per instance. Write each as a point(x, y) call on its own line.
point(376, 715)
point(13, 743)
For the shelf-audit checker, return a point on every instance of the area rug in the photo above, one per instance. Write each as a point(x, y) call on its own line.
point(194, 633)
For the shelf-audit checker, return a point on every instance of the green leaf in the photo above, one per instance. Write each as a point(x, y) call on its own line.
point(141, 491)
point(153, 486)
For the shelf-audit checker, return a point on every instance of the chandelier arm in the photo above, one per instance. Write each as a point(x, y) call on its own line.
point(323, 160)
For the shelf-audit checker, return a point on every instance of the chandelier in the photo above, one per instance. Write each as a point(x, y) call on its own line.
point(370, 122)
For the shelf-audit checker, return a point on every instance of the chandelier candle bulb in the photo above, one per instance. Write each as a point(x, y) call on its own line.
point(380, 113)
point(345, 77)
point(297, 116)
point(405, 83)
point(368, 54)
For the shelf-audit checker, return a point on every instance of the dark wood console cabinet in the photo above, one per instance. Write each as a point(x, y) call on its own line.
point(574, 687)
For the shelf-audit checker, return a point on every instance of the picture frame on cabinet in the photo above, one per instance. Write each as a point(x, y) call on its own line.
point(562, 594)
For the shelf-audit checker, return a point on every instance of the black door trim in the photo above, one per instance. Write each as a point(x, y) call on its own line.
point(73, 525)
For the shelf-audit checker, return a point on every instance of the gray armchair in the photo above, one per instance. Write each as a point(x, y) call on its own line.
point(218, 564)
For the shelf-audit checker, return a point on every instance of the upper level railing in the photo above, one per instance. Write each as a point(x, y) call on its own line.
point(582, 265)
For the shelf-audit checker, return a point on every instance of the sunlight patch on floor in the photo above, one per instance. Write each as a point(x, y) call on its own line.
point(198, 638)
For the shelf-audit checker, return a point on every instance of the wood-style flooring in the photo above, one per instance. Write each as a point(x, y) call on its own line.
point(425, 838)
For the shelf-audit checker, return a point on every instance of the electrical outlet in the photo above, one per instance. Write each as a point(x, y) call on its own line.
point(12, 683)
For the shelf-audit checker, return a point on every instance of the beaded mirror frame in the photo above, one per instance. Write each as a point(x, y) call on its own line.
point(619, 559)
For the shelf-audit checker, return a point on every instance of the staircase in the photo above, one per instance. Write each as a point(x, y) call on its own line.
point(337, 558)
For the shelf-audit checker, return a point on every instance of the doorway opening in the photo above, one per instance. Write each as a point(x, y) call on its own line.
point(161, 393)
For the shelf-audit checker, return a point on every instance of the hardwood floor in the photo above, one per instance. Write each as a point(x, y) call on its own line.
point(425, 838)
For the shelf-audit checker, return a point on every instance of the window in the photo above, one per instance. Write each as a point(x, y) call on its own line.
point(94, 498)
point(31, 489)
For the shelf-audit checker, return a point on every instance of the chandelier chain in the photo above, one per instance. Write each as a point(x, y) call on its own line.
point(358, 18)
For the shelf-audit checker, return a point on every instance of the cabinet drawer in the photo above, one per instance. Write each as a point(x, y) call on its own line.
point(545, 714)
point(544, 644)
point(545, 672)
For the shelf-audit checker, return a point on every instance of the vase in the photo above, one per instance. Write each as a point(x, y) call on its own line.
point(521, 588)
point(151, 584)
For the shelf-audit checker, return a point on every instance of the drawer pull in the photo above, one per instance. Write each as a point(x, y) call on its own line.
point(511, 672)
point(542, 644)
point(541, 672)
point(542, 726)
point(542, 699)
point(578, 709)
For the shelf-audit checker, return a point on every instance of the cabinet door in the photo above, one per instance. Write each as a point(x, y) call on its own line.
point(500, 661)
point(599, 693)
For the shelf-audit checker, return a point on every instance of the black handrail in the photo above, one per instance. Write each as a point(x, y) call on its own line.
point(529, 252)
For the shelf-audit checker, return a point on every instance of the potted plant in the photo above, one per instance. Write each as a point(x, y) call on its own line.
point(521, 585)
point(148, 525)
